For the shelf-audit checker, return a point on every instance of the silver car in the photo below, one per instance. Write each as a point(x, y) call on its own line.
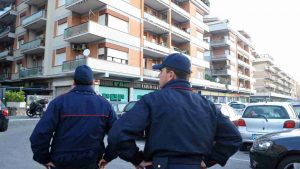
point(263, 118)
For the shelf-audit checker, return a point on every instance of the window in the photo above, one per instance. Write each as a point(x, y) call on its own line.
point(61, 2)
point(21, 17)
point(19, 43)
point(117, 23)
point(269, 112)
point(18, 67)
point(101, 53)
point(102, 20)
point(61, 28)
point(59, 59)
point(117, 56)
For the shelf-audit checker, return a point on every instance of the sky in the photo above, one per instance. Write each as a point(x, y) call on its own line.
point(274, 27)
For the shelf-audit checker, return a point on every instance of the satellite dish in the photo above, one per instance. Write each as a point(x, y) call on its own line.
point(86, 52)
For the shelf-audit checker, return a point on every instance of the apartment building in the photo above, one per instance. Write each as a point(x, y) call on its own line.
point(125, 38)
point(231, 59)
point(272, 83)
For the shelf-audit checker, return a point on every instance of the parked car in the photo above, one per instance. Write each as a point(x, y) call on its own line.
point(129, 106)
point(296, 107)
point(118, 107)
point(262, 118)
point(229, 112)
point(239, 107)
point(279, 150)
point(3, 117)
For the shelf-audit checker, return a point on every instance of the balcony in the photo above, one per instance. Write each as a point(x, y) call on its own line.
point(151, 73)
point(180, 35)
point(31, 72)
point(36, 46)
point(8, 15)
point(200, 23)
point(220, 43)
point(244, 64)
point(103, 66)
point(159, 5)
point(83, 6)
point(200, 43)
point(35, 2)
point(204, 4)
point(155, 21)
point(155, 50)
point(36, 21)
point(222, 57)
point(200, 62)
point(7, 34)
point(243, 51)
point(243, 76)
point(179, 14)
point(223, 72)
point(92, 31)
point(6, 76)
point(6, 54)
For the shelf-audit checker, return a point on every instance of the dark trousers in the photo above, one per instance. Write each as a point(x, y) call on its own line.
point(178, 166)
point(176, 163)
point(92, 166)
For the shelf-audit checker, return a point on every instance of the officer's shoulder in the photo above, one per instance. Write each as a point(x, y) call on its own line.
point(152, 94)
point(102, 99)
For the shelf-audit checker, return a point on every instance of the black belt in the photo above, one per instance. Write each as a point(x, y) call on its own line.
point(185, 160)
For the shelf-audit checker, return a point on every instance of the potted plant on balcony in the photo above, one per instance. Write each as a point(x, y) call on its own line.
point(15, 101)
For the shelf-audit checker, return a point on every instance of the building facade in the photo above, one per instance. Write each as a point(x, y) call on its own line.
point(231, 58)
point(272, 83)
point(42, 42)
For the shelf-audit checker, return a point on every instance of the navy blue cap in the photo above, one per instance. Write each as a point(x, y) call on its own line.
point(176, 61)
point(83, 75)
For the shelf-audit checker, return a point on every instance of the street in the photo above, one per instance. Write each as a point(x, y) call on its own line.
point(15, 149)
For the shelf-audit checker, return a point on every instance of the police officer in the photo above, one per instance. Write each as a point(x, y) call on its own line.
point(183, 129)
point(76, 122)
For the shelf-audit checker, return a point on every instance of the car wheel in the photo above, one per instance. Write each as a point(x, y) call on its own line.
point(291, 162)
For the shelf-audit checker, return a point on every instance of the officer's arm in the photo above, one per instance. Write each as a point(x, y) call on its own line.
point(127, 129)
point(111, 120)
point(227, 140)
point(42, 134)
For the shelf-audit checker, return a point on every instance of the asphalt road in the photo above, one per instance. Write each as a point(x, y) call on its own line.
point(15, 152)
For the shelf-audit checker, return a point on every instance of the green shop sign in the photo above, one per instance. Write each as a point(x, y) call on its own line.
point(114, 94)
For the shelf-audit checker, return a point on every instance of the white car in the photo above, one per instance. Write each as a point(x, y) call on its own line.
point(239, 107)
point(263, 118)
point(229, 112)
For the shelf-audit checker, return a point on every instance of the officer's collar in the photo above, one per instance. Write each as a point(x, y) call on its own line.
point(83, 88)
point(178, 84)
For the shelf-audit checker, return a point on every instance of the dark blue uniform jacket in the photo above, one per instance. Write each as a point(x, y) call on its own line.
point(178, 122)
point(77, 121)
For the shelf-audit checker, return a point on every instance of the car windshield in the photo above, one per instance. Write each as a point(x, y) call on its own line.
point(266, 111)
point(297, 109)
point(238, 106)
point(129, 106)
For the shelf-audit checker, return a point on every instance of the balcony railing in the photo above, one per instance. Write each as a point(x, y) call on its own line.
point(73, 64)
point(156, 20)
point(76, 30)
point(69, 2)
point(31, 72)
point(34, 17)
point(32, 44)
point(151, 73)
point(6, 10)
point(7, 30)
point(6, 76)
point(6, 53)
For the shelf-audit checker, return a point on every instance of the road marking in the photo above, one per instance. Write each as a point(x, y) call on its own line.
point(13, 120)
point(237, 159)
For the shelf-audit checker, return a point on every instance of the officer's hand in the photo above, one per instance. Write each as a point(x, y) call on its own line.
point(203, 165)
point(50, 165)
point(143, 164)
point(102, 163)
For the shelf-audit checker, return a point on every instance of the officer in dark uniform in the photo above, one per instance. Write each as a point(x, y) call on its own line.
point(183, 129)
point(77, 123)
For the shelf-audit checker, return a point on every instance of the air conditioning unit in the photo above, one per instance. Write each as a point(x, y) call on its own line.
point(79, 47)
